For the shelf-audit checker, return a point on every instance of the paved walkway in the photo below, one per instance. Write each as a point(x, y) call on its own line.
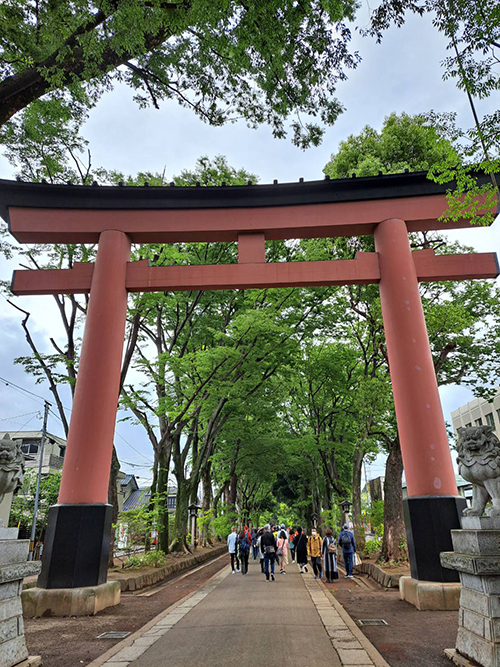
point(244, 621)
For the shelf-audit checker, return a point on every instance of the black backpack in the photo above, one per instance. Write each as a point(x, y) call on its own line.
point(346, 541)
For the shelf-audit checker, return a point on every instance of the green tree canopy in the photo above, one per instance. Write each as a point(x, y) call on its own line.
point(404, 142)
point(261, 61)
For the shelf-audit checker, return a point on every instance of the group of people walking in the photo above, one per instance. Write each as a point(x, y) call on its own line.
point(273, 545)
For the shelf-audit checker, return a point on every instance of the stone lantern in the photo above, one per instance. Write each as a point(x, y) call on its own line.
point(346, 509)
point(193, 516)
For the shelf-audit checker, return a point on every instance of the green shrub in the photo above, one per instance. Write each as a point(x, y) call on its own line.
point(377, 517)
point(148, 559)
point(372, 546)
point(222, 525)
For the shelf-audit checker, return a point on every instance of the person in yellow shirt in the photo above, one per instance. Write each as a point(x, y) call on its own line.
point(314, 544)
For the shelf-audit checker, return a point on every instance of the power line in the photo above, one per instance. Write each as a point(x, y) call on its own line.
point(25, 414)
point(132, 447)
point(134, 465)
point(27, 391)
point(16, 387)
point(22, 427)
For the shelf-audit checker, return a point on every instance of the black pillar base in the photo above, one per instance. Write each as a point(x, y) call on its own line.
point(76, 547)
point(429, 520)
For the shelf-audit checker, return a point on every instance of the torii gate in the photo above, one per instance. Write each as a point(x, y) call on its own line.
point(77, 540)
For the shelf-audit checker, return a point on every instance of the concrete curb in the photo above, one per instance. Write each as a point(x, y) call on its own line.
point(357, 642)
point(379, 575)
point(129, 641)
point(164, 573)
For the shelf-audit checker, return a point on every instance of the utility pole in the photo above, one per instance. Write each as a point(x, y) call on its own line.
point(37, 494)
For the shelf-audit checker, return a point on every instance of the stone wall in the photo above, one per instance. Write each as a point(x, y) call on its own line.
point(135, 583)
point(13, 567)
point(379, 575)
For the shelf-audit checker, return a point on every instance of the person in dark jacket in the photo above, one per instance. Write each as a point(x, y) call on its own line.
point(268, 547)
point(329, 553)
point(348, 544)
point(255, 545)
point(243, 551)
point(300, 542)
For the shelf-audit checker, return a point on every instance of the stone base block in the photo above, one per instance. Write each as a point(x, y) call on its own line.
point(430, 595)
point(480, 522)
point(31, 661)
point(460, 660)
point(13, 551)
point(86, 601)
point(471, 564)
point(476, 648)
point(476, 542)
point(487, 605)
point(488, 584)
point(429, 521)
point(13, 651)
point(76, 547)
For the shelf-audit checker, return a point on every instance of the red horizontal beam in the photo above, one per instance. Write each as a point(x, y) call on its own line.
point(54, 281)
point(360, 271)
point(45, 225)
point(431, 267)
point(363, 270)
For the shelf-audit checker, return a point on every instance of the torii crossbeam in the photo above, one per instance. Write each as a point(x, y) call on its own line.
point(386, 206)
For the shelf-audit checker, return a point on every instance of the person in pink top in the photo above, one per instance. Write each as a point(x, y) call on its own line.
point(282, 548)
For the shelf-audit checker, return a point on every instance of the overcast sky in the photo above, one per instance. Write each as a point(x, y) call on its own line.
point(401, 74)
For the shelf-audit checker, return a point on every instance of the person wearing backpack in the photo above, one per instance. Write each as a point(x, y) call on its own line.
point(243, 551)
point(300, 542)
point(268, 547)
point(346, 541)
point(329, 551)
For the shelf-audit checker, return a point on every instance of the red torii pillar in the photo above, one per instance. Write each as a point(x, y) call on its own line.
point(83, 496)
point(433, 506)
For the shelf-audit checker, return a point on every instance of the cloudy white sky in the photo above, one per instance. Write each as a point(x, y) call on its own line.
point(401, 74)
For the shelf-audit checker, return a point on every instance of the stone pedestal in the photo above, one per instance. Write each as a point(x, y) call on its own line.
point(86, 601)
point(13, 568)
point(5, 505)
point(476, 557)
point(430, 595)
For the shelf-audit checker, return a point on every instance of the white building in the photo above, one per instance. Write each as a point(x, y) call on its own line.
point(53, 459)
point(31, 441)
point(478, 412)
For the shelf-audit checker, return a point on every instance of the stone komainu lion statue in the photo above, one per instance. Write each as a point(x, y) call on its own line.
point(479, 462)
point(11, 466)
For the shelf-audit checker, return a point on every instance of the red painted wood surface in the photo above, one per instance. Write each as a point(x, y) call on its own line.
point(422, 432)
point(362, 270)
point(45, 225)
point(87, 460)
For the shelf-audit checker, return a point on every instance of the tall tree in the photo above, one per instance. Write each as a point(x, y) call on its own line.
point(404, 142)
point(263, 61)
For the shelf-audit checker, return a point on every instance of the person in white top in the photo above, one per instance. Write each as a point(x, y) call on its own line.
point(232, 539)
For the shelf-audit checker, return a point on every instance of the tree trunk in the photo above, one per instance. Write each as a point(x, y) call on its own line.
point(232, 493)
point(113, 501)
point(394, 541)
point(162, 495)
point(181, 515)
point(206, 502)
point(357, 519)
